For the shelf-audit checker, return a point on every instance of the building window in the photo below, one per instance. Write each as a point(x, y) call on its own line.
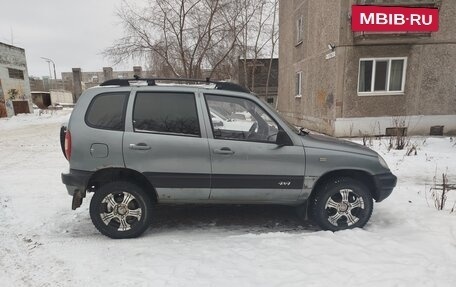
point(16, 74)
point(270, 100)
point(298, 86)
point(299, 30)
point(381, 76)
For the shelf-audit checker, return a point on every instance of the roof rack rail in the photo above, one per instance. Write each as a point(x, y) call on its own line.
point(228, 86)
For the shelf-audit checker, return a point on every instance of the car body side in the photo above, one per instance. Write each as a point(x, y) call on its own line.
point(99, 155)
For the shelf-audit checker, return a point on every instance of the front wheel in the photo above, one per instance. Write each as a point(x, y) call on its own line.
point(120, 210)
point(343, 203)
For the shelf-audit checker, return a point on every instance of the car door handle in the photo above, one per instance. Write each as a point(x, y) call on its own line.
point(139, 146)
point(224, 150)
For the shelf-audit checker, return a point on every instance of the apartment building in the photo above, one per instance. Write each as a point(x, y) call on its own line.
point(346, 83)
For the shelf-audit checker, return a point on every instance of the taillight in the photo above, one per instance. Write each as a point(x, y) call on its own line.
point(68, 145)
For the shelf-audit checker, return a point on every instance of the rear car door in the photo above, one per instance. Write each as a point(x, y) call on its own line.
point(247, 164)
point(165, 139)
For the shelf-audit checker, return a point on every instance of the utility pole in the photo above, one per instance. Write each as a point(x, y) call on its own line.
point(49, 61)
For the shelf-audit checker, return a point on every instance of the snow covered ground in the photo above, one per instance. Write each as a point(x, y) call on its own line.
point(44, 243)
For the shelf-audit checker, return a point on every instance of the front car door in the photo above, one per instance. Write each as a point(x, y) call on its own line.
point(247, 164)
point(165, 139)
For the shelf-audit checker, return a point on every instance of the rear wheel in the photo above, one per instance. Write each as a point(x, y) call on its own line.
point(343, 203)
point(120, 210)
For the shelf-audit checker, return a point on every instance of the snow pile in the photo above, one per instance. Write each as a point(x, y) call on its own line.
point(43, 243)
point(39, 117)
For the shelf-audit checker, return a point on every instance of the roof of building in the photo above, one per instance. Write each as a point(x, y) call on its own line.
point(11, 46)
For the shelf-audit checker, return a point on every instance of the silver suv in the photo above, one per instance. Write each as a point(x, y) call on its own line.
point(137, 143)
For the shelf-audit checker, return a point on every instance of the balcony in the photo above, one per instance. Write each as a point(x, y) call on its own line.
point(389, 37)
point(413, 3)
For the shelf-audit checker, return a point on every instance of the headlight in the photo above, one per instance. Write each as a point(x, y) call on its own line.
point(382, 162)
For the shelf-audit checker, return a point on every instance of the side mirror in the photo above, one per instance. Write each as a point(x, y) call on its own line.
point(283, 139)
point(217, 123)
point(217, 133)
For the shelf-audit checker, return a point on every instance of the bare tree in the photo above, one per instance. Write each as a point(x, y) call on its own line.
point(259, 37)
point(274, 39)
point(186, 35)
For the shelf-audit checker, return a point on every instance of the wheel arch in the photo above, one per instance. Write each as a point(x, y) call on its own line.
point(361, 175)
point(105, 175)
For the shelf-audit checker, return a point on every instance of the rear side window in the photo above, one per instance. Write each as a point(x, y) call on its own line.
point(170, 113)
point(106, 111)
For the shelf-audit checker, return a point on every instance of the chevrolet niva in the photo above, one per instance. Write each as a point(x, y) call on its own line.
point(135, 143)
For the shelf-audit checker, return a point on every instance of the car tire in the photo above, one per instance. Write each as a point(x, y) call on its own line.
point(121, 209)
point(342, 203)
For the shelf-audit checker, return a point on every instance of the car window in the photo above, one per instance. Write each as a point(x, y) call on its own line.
point(162, 112)
point(106, 111)
point(243, 120)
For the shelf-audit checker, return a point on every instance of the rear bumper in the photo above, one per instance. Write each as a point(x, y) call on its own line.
point(384, 185)
point(76, 180)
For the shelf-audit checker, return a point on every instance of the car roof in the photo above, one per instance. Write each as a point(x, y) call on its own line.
point(180, 85)
point(206, 83)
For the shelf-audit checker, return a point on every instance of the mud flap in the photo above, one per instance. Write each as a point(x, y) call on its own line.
point(77, 200)
point(302, 210)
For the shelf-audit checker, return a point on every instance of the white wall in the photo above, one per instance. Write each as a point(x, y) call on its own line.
point(58, 97)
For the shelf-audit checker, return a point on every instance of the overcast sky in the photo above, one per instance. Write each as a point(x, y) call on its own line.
point(72, 33)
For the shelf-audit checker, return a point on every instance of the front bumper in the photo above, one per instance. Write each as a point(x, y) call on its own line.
point(384, 185)
point(76, 180)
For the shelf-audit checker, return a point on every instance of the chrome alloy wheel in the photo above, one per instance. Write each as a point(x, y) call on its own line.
point(344, 207)
point(121, 210)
